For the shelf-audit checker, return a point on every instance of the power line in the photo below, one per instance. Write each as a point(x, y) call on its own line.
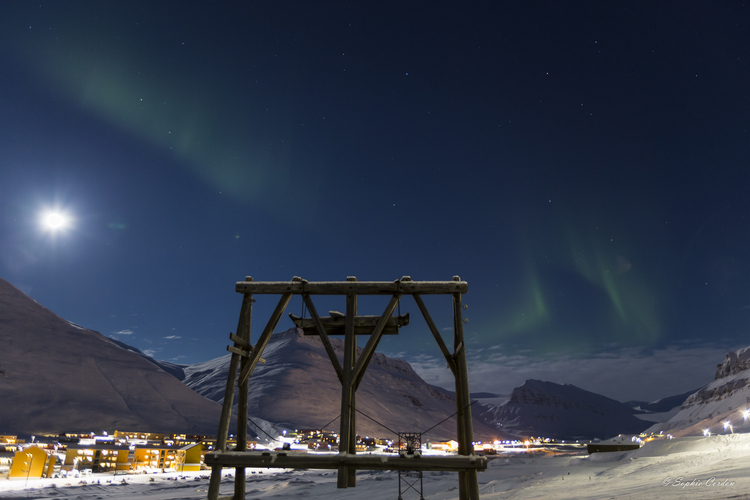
point(329, 423)
point(261, 429)
point(380, 424)
point(428, 430)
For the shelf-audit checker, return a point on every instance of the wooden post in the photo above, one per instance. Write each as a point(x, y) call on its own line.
point(467, 480)
point(226, 409)
point(352, 480)
point(348, 434)
point(243, 331)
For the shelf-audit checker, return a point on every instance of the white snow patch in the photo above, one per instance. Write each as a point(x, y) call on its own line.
point(697, 467)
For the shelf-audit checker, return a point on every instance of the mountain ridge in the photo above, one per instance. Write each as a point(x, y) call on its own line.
point(722, 400)
point(61, 377)
point(298, 388)
point(562, 411)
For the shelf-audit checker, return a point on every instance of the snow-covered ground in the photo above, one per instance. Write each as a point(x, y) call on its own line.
point(692, 467)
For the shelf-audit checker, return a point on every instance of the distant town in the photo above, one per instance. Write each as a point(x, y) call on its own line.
point(123, 453)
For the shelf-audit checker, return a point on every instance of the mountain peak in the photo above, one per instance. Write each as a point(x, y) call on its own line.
point(60, 377)
point(563, 411)
point(298, 388)
point(734, 363)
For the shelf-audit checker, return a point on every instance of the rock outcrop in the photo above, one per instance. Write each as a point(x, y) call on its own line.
point(721, 401)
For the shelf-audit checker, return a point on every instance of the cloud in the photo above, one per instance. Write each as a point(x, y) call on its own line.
point(123, 332)
point(620, 373)
point(150, 352)
point(172, 337)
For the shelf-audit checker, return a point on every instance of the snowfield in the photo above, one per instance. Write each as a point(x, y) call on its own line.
point(691, 467)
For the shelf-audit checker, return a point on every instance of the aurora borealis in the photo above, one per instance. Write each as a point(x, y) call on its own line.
point(583, 166)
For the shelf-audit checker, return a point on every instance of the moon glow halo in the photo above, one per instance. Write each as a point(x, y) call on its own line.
point(55, 221)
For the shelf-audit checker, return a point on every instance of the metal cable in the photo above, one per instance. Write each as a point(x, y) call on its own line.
point(428, 430)
point(380, 424)
point(261, 429)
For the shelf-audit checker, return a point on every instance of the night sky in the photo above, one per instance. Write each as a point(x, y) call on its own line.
point(584, 166)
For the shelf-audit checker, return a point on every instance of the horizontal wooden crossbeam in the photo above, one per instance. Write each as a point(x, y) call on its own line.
point(243, 353)
point(403, 287)
point(240, 342)
point(297, 460)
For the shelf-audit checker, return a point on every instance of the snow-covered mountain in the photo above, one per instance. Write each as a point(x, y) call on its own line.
point(722, 400)
point(56, 376)
point(660, 410)
point(661, 405)
point(557, 411)
point(298, 388)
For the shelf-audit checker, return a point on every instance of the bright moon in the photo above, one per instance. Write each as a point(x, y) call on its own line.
point(55, 221)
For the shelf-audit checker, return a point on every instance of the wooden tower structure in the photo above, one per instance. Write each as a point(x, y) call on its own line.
point(245, 356)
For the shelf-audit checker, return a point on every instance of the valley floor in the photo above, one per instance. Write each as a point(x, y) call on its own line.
point(699, 467)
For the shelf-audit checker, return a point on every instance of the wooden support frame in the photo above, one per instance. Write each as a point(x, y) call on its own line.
point(245, 357)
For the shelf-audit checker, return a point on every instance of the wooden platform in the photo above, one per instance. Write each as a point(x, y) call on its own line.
point(293, 460)
point(363, 325)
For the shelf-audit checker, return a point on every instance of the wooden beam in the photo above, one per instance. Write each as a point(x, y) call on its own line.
point(243, 324)
point(458, 350)
point(243, 332)
point(297, 460)
point(352, 314)
point(260, 345)
point(226, 416)
point(226, 407)
point(436, 333)
point(240, 341)
point(468, 485)
point(366, 355)
point(348, 401)
point(363, 325)
point(323, 336)
point(356, 287)
point(236, 350)
point(243, 353)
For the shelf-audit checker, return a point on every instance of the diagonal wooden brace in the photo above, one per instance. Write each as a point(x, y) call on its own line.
point(364, 358)
point(264, 337)
point(324, 337)
point(435, 333)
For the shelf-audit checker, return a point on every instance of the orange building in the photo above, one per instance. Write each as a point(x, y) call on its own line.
point(97, 457)
point(158, 457)
point(31, 462)
point(192, 457)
